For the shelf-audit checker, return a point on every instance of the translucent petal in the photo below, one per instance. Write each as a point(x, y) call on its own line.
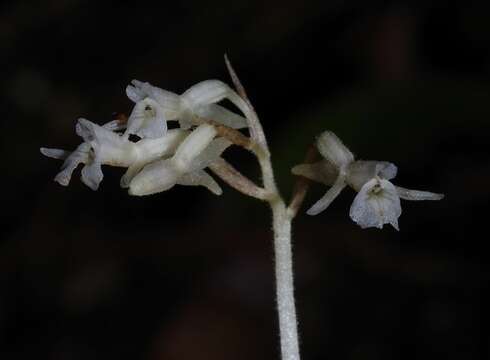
point(330, 146)
point(55, 153)
point(376, 204)
point(210, 154)
point(109, 147)
point(323, 172)
point(84, 129)
point(417, 195)
point(151, 149)
point(329, 196)
point(80, 155)
point(222, 115)
point(193, 145)
point(134, 93)
point(169, 101)
point(200, 178)
point(154, 178)
point(147, 120)
point(92, 175)
point(206, 92)
point(360, 172)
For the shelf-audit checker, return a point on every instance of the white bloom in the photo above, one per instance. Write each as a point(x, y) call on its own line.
point(376, 204)
point(377, 201)
point(185, 167)
point(147, 120)
point(103, 146)
point(199, 100)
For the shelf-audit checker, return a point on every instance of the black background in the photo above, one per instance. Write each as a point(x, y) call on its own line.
point(185, 274)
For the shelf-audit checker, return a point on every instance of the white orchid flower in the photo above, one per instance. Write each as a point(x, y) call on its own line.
point(378, 200)
point(147, 120)
point(185, 167)
point(103, 146)
point(199, 100)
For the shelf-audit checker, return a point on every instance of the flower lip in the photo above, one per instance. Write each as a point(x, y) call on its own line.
point(376, 204)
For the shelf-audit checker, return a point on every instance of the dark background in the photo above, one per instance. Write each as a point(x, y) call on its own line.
point(185, 274)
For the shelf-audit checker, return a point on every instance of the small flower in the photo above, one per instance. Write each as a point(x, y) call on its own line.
point(147, 120)
point(185, 167)
point(378, 200)
point(199, 100)
point(104, 146)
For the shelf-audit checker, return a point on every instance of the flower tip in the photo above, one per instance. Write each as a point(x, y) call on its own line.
point(62, 179)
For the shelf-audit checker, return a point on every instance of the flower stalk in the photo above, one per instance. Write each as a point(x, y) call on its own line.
point(162, 158)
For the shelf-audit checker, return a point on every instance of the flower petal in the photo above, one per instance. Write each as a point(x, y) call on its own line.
point(80, 155)
point(92, 175)
point(154, 178)
point(200, 178)
point(329, 196)
point(332, 149)
point(55, 153)
point(210, 154)
point(134, 93)
point(222, 115)
point(361, 171)
point(193, 145)
point(417, 195)
point(147, 120)
point(169, 101)
point(376, 204)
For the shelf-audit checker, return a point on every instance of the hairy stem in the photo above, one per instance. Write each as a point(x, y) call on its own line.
point(284, 281)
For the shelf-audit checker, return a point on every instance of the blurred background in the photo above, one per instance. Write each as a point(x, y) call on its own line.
point(185, 274)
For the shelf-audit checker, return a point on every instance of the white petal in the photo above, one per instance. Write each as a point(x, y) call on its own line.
point(206, 92)
point(200, 178)
point(92, 175)
point(330, 146)
point(386, 170)
point(417, 195)
point(153, 149)
point(109, 147)
point(193, 145)
point(55, 153)
point(80, 155)
point(210, 154)
point(154, 178)
point(360, 172)
point(323, 172)
point(327, 199)
point(147, 120)
point(222, 115)
point(169, 101)
point(376, 204)
point(134, 93)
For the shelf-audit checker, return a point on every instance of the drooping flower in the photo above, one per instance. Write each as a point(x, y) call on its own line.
point(185, 167)
point(103, 146)
point(199, 100)
point(378, 200)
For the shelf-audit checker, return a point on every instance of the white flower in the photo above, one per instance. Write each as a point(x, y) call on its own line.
point(104, 146)
point(377, 203)
point(199, 100)
point(147, 120)
point(378, 200)
point(185, 167)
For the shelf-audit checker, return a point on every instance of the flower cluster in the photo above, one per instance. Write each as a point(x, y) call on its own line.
point(377, 201)
point(160, 158)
